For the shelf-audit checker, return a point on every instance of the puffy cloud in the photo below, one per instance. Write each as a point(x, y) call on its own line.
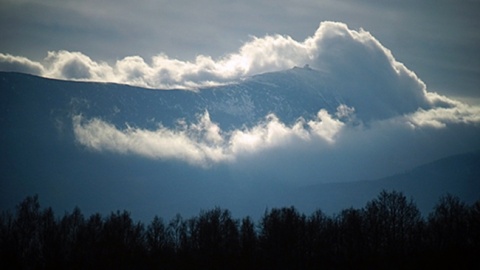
point(76, 66)
point(362, 72)
point(327, 127)
point(203, 143)
point(378, 94)
point(334, 48)
point(365, 73)
point(329, 147)
point(441, 117)
point(20, 64)
point(196, 144)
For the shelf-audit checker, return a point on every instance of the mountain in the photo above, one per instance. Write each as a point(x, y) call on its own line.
point(41, 151)
point(231, 105)
point(458, 175)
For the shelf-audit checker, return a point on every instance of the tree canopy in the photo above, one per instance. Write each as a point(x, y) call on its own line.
point(389, 232)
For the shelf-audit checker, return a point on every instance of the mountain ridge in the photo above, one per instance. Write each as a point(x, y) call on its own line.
point(289, 94)
point(40, 152)
point(458, 175)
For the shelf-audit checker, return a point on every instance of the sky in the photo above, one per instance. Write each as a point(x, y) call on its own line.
point(411, 63)
point(407, 74)
point(437, 39)
point(380, 110)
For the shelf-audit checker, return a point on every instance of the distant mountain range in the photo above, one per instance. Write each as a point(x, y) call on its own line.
point(40, 154)
point(458, 175)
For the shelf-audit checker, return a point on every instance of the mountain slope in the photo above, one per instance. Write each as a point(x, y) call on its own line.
point(40, 153)
point(290, 94)
point(458, 175)
point(236, 104)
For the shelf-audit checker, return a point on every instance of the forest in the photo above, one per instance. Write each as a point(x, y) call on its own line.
point(389, 232)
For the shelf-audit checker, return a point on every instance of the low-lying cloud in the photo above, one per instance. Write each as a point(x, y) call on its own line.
point(203, 143)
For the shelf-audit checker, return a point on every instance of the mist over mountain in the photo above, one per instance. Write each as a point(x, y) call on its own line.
point(276, 139)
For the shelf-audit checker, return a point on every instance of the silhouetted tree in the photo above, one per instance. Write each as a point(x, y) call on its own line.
point(217, 238)
point(474, 225)
point(25, 233)
point(248, 243)
point(282, 238)
point(90, 240)
point(180, 232)
point(473, 250)
point(158, 243)
point(122, 241)
point(8, 248)
point(319, 237)
point(176, 231)
point(49, 240)
point(69, 229)
point(352, 237)
point(156, 236)
point(388, 233)
point(450, 232)
point(391, 224)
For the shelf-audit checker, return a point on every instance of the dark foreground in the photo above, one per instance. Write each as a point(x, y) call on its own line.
point(388, 233)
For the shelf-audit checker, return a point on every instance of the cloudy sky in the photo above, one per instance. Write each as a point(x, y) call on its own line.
point(407, 73)
point(437, 39)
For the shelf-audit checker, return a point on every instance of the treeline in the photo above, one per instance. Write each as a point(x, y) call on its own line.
point(388, 233)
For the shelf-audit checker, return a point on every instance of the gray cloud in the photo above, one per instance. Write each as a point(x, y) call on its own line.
point(379, 94)
point(20, 64)
point(348, 54)
point(75, 69)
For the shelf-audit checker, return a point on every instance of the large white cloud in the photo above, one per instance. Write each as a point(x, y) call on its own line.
point(334, 48)
point(441, 117)
point(203, 143)
point(359, 70)
point(20, 64)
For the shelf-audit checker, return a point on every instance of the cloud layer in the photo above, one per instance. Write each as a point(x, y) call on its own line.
point(203, 143)
point(361, 72)
point(333, 48)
